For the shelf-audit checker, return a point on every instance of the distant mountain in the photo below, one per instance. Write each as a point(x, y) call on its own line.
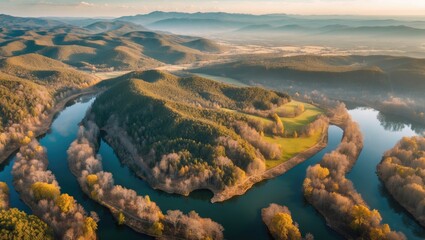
point(117, 27)
point(152, 17)
point(195, 26)
point(400, 31)
point(105, 45)
point(11, 21)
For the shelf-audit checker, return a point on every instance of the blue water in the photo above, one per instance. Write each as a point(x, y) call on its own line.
point(240, 216)
point(377, 140)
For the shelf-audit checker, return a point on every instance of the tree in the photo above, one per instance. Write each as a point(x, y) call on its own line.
point(15, 224)
point(279, 128)
point(92, 179)
point(43, 190)
point(282, 227)
point(156, 228)
point(65, 202)
point(121, 218)
point(90, 226)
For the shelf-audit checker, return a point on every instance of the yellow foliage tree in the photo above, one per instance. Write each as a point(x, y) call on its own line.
point(43, 190)
point(65, 202)
point(26, 140)
point(30, 134)
point(92, 179)
point(320, 172)
point(156, 228)
point(90, 226)
point(283, 227)
point(3, 187)
point(308, 189)
point(121, 218)
point(279, 128)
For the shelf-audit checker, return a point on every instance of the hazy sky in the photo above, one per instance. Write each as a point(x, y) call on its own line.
point(130, 7)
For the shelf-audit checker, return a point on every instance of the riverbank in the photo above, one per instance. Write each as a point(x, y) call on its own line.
point(125, 150)
point(280, 169)
point(47, 122)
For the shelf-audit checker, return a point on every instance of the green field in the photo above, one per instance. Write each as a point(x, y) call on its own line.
point(291, 146)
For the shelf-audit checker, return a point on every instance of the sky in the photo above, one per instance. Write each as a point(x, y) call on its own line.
point(110, 8)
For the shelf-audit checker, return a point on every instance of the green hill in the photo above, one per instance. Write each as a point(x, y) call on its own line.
point(30, 85)
point(45, 71)
point(354, 73)
point(184, 125)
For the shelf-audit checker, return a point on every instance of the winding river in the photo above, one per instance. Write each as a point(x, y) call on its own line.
point(240, 216)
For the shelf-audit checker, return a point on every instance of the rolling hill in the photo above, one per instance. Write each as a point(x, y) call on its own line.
point(45, 71)
point(359, 73)
point(204, 45)
point(31, 84)
point(107, 45)
point(11, 21)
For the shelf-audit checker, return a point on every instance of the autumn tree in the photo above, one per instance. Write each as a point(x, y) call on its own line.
point(65, 202)
point(121, 218)
point(15, 224)
point(278, 128)
point(43, 190)
point(283, 227)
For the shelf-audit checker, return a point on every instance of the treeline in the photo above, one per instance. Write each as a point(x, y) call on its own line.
point(334, 196)
point(280, 224)
point(39, 189)
point(138, 212)
point(402, 170)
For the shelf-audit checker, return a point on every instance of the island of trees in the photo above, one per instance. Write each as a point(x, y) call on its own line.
point(402, 170)
point(334, 196)
point(280, 224)
point(39, 189)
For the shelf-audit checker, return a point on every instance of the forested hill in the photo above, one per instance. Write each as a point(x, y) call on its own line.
point(360, 73)
point(184, 129)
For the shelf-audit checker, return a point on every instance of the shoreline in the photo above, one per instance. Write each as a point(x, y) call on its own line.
point(46, 123)
point(273, 172)
point(405, 207)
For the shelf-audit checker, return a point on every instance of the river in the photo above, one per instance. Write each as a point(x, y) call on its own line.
point(240, 216)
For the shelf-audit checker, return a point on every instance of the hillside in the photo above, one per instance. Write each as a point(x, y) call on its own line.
point(20, 99)
point(191, 132)
point(31, 84)
point(45, 71)
point(204, 45)
point(360, 73)
point(106, 45)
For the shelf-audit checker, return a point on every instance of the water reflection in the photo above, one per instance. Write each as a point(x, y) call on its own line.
point(396, 123)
